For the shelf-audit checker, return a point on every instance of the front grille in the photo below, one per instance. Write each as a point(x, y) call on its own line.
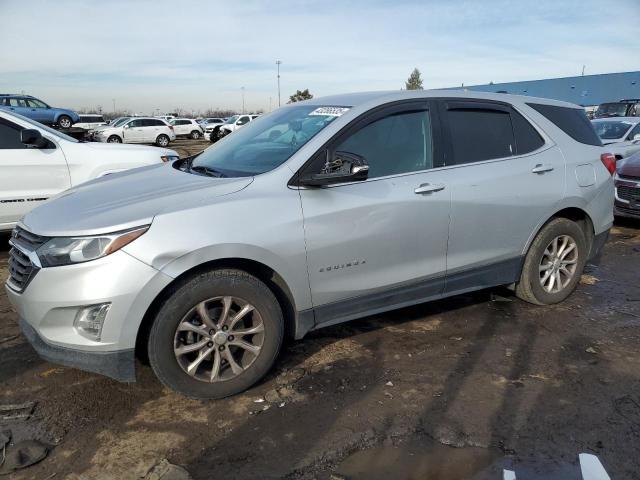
point(21, 269)
point(628, 211)
point(27, 240)
point(628, 193)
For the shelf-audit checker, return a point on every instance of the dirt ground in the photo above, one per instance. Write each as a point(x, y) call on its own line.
point(454, 389)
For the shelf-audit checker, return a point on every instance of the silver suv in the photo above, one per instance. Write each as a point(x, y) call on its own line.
point(321, 212)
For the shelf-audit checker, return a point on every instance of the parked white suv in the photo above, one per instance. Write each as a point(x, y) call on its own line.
point(231, 125)
point(138, 130)
point(37, 162)
point(187, 127)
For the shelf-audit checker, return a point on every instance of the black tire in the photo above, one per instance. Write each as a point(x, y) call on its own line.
point(530, 288)
point(114, 139)
point(64, 121)
point(204, 286)
point(162, 140)
point(195, 135)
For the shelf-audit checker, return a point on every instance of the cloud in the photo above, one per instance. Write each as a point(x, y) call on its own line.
point(164, 54)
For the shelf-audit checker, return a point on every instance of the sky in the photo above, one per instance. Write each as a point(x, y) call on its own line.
point(156, 56)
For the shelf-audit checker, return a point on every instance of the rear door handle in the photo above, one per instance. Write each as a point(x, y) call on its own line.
point(428, 188)
point(540, 168)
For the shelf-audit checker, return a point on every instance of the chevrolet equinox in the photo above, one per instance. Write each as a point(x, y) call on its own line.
point(320, 212)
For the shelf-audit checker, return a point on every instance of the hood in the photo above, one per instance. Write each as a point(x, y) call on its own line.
point(609, 141)
point(126, 200)
point(630, 166)
point(128, 148)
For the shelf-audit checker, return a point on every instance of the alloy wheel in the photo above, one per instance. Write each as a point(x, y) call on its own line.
point(218, 339)
point(558, 264)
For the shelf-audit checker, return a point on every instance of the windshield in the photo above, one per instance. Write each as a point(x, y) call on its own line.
point(612, 130)
point(264, 145)
point(119, 121)
point(232, 119)
point(611, 109)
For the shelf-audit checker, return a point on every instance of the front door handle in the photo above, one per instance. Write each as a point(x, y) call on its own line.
point(428, 188)
point(540, 168)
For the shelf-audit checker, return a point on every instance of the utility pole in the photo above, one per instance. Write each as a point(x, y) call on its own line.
point(278, 63)
point(583, 70)
point(242, 88)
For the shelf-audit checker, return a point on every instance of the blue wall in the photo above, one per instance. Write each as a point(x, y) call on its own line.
point(586, 90)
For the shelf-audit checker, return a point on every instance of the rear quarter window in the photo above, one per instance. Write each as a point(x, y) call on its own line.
point(572, 121)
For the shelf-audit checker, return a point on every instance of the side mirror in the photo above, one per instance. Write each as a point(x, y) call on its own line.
point(344, 167)
point(127, 126)
point(30, 136)
point(636, 137)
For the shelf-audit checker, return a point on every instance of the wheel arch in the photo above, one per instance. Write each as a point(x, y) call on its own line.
point(272, 279)
point(574, 213)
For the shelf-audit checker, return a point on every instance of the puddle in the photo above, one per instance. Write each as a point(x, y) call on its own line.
point(429, 460)
point(421, 460)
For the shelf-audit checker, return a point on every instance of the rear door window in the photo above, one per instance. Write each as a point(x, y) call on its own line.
point(479, 133)
point(527, 137)
point(572, 121)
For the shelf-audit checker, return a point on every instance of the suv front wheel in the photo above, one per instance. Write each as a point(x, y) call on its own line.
point(162, 140)
point(554, 263)
point(217, 335)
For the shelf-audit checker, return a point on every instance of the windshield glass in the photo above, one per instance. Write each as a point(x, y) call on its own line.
point(262, 146)
point(119, 121)
point(612, 109)
point(612, 130)
point(232, 119)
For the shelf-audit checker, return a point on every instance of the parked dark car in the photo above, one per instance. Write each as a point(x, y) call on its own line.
point(627, 181)
point(37, 110)
point(624, 108)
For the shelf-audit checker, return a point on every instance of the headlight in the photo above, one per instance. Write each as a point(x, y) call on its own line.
point(70, 250)
point(169, 158)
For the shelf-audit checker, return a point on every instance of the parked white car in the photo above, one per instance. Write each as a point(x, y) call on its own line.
point(37, 162)
point(187, 127)
point(620, 134)
point(138, 130)
point(90, 121)
point(231, 125)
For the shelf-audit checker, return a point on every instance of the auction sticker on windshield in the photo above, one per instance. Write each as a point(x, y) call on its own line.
point(330, 111)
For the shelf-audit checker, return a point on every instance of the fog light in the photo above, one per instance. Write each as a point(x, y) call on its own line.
point(90, 319)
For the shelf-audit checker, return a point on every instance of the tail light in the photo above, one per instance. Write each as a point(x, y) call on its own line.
point(609, 162)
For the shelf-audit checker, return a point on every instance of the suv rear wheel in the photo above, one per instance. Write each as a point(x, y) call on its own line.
point(195, 135)
point(217, 335)
point(554, 263)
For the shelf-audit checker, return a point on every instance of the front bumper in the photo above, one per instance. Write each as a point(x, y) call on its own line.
point(627, 204)
point(119, 365)
point(50, 303)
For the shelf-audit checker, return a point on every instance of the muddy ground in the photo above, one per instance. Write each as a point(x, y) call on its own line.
point(454, 389)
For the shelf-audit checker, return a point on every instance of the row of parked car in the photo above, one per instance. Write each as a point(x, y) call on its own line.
point(156, 130)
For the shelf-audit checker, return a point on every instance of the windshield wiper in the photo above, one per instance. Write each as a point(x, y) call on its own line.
point(211, 172)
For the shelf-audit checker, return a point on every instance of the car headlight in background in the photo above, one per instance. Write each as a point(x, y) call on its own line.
point(169, 158)
point(69, 250)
